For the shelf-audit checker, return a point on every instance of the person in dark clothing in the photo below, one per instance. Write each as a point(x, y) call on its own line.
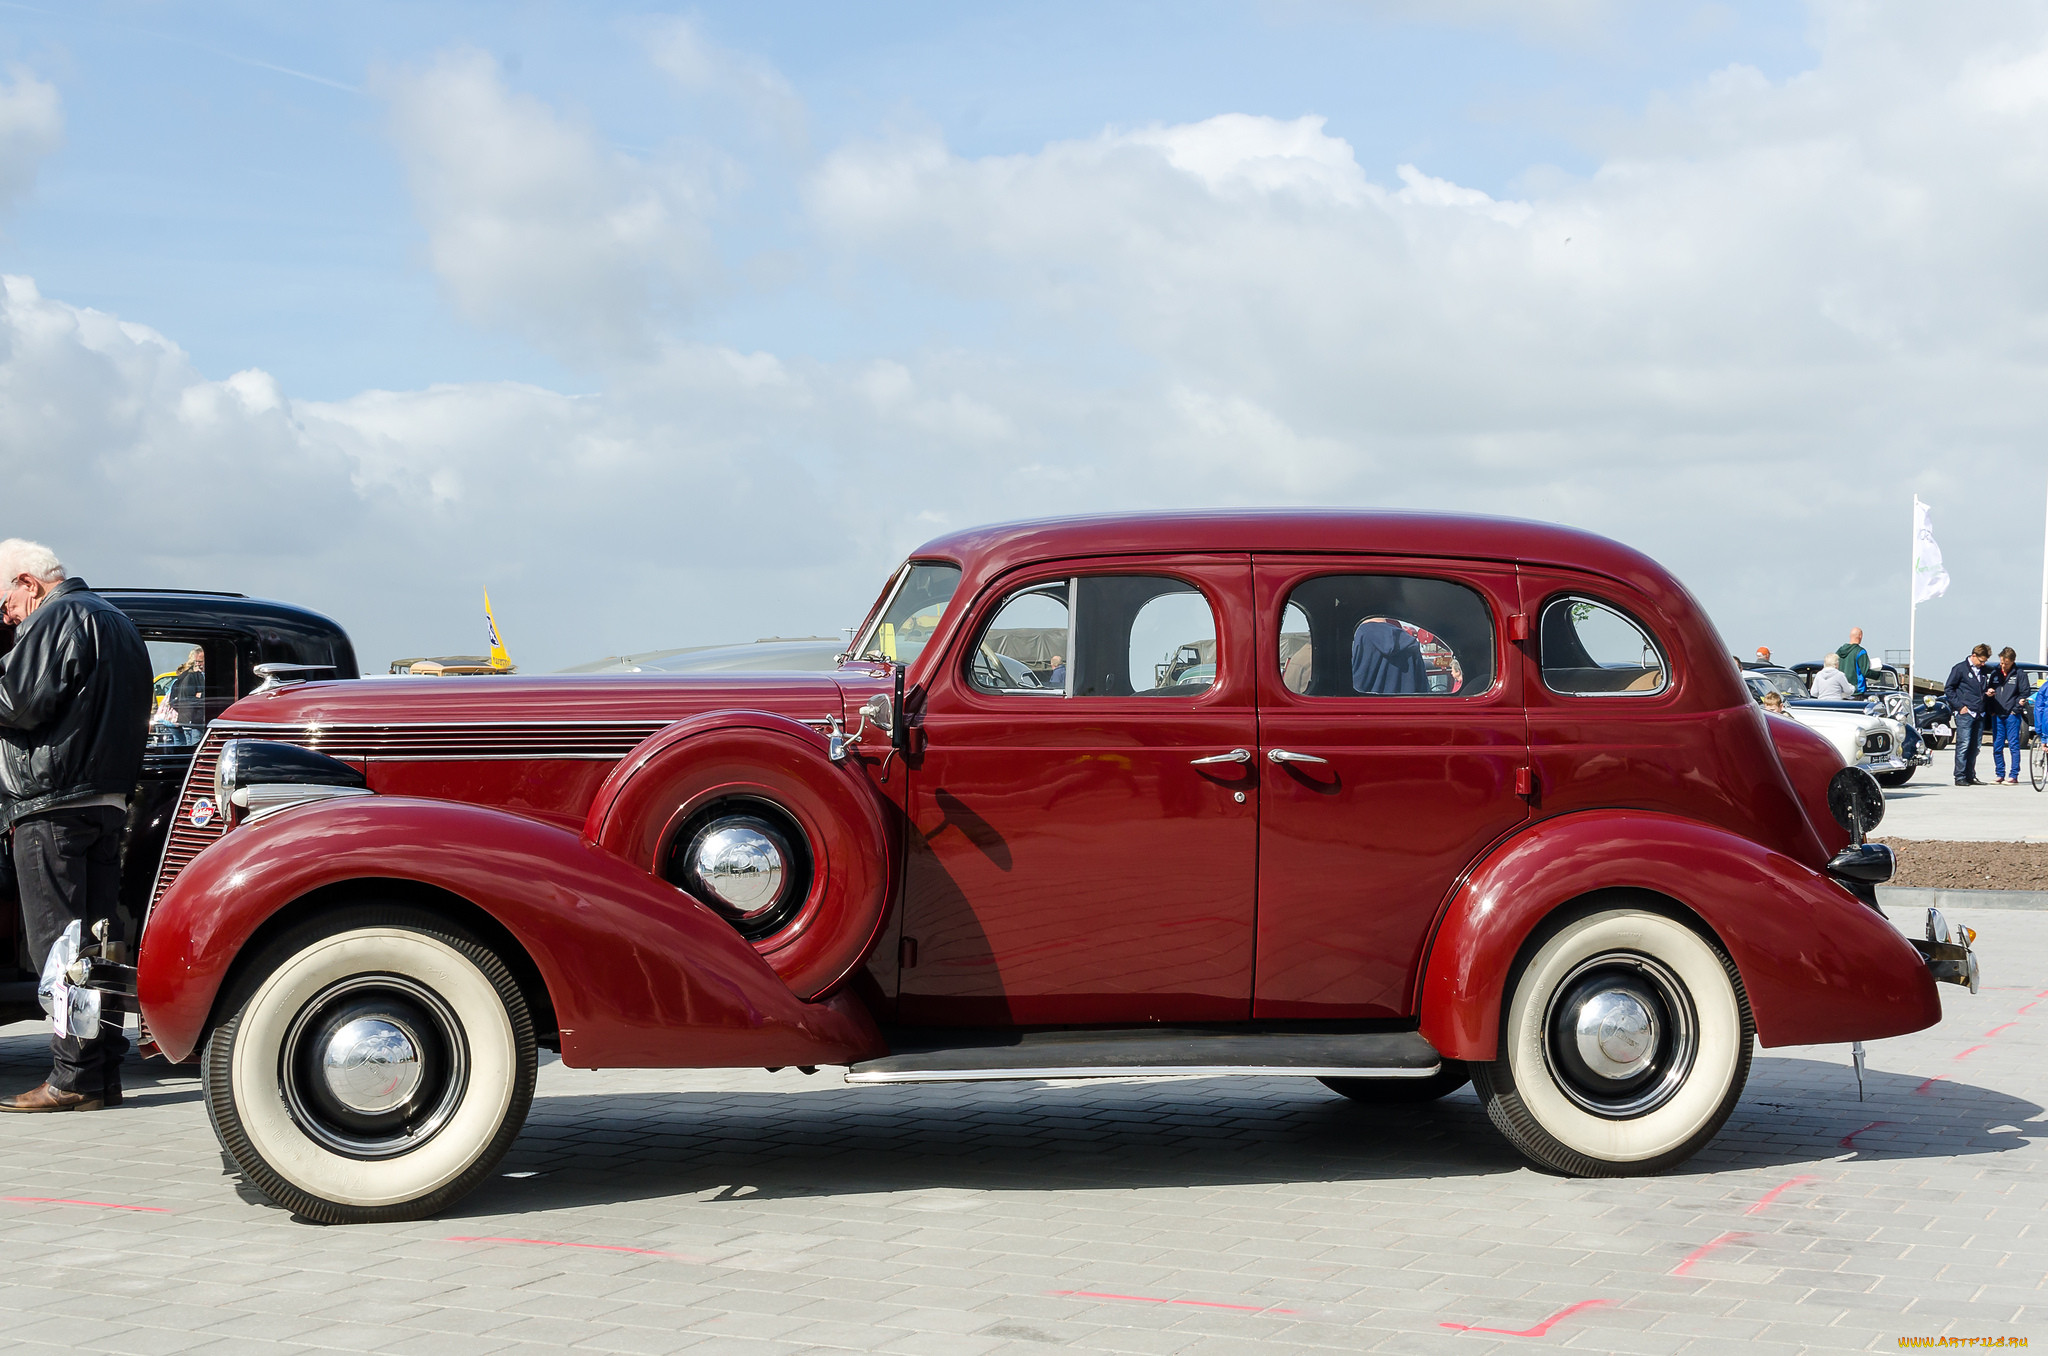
point(1968, 682)
point(75, 695)
point(2004, 697)
point(1386, 660)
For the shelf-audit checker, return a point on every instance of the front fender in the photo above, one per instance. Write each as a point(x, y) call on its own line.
point(1819, 966)
point(640, 974)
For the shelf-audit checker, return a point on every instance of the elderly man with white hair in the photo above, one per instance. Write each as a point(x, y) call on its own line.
point(74, 714)
point(1831, 684)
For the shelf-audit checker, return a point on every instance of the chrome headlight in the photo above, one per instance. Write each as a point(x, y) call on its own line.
point(258, 776)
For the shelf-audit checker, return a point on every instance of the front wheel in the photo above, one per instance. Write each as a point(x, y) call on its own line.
point(1624, 1045)
point(377, 1064)
point(2037, 765)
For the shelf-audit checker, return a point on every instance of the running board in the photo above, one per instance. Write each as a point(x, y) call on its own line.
point(1151, 1052)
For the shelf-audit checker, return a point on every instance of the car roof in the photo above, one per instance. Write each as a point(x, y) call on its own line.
point(987, 551)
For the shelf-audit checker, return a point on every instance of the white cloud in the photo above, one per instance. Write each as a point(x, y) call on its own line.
point(534, 223)
point(701, 67)
point(1776, 308)
point(31, 126)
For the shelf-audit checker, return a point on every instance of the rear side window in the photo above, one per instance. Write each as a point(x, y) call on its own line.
point(1138, 635)
point(1382, 635)
point(1593, 649)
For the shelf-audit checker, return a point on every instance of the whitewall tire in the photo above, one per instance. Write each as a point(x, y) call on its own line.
point(1624, 1044)
point(376, 1064)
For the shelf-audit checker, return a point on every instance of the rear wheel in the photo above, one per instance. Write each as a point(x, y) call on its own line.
point(377, 1064)
point(1624, 1044)
point(1402, 1091)
point(2037, 765)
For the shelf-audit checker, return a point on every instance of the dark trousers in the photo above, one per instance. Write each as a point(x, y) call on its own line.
point(1969, 738)
point(69, 864)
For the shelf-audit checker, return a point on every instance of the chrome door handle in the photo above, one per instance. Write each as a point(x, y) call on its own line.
point(1289, 756)
point(1234, 756)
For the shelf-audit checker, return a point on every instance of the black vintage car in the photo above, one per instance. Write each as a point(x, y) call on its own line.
point(205, 650)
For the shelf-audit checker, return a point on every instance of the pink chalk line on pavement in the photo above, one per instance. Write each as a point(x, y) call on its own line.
point(1849, 1140)
point(1155, 1299)
point(1782, 1188)
point(1967, 1053)
point(2003, 1026)
point(99, 1205)
point(593, 1247)
point(1699, 1254)
point(2028, 1008)
point(1921, 1091)
point(1539, 1330)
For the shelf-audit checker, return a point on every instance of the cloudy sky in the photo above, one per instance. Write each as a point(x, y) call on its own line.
point(678, 327)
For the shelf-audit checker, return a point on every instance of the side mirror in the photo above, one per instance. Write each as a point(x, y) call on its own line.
point(1856, 801)
point(880, 712)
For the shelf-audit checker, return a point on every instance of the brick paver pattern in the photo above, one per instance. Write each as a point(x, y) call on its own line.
point(749, 1212)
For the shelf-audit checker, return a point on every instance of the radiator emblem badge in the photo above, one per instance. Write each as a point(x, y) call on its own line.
point(202, 812)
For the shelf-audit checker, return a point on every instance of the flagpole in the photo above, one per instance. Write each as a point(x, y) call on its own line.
point(1913, 605)
point(2044, 597)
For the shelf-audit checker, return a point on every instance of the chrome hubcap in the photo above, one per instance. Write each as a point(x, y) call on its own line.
point(1616, 1032)
point(741, 866)
point(372, 1065)
point(749, 860)
point(1620, 1035)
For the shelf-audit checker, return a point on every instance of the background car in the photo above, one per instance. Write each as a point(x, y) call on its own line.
point(205, 649)
point(1887, 749)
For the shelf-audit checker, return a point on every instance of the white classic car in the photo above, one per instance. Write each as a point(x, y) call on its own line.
point(1879, 745)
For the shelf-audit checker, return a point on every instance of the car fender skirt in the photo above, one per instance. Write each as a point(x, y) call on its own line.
point(1818, 965)
point(640, 974)
point(758, 756)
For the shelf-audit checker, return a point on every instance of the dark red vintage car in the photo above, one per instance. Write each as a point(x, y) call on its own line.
point(1388, 800)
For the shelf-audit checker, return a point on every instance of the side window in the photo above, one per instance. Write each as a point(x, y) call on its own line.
point(1024, 647)
point(1171, 650)
point(1591, 648)
point(1380, 635)
point(1099, 636)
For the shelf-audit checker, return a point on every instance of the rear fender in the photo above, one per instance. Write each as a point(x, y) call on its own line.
point(1819, 966)
point(640, 974)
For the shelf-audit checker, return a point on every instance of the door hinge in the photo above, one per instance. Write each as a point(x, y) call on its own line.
point(906, 954)
point(1518, 626)
point(1525, 781)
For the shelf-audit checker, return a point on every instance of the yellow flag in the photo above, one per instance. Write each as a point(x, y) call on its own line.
point(499, 659)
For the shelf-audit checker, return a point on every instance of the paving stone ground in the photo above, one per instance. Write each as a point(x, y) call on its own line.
point(747, 1212)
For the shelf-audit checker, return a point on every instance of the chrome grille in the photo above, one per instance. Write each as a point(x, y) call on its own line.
point(1877, 743)
point(187, 840)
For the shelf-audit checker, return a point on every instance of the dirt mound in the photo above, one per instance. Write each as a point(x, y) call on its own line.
point(1929, 864)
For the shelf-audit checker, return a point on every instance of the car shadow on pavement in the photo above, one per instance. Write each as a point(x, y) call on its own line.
point(25, 1062)
point(833, 1140)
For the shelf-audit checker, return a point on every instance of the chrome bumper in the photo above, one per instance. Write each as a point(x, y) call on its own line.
point(1947, 952)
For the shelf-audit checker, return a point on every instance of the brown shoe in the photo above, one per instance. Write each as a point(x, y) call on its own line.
point(46, 1098)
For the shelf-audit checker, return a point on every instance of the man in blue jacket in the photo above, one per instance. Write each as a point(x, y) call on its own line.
point(74, 715)
point(1965, 691)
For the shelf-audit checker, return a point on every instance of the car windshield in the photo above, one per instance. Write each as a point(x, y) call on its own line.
point(910, 618)
point(1783, 682)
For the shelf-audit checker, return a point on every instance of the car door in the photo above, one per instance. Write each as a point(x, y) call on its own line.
point(1084, 808)
point(1391, 741)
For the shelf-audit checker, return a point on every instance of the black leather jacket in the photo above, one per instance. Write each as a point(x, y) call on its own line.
point(74, 704)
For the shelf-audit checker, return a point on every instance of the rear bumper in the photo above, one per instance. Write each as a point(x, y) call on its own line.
point(1948, 952)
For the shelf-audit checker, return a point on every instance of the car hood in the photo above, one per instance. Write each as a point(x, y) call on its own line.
point(540, 700)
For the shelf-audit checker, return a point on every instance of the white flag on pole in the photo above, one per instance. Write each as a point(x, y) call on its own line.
point(1930, 580)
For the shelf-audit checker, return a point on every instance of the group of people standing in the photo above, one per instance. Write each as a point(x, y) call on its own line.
point(1983, 695)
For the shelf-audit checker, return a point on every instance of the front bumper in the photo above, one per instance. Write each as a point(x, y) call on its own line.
point(1947, 951)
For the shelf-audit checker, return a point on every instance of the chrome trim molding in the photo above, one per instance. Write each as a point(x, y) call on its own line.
point(1137, 1071)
